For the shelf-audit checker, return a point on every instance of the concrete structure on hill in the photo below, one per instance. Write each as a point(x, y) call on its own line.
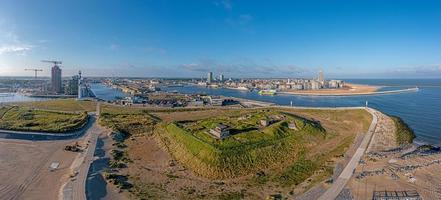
point(293, 126)
point(220, 131)
point(267, 122)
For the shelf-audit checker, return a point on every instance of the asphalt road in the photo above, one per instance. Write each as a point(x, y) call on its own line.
point(347, 172)
point(75, 189)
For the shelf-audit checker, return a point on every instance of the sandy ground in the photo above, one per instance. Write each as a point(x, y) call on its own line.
point(161, 177)
point(388, 174)
point(383, 169)
point(349, 89)
point(25, 168)
point(112, 193)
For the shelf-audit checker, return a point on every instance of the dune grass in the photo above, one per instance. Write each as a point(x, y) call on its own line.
point(129, 124)
point(68, 105)
point(250, 149)
point(25, 119)
point(273, 155)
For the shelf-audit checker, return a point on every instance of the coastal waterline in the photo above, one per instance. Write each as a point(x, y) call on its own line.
point(16, 97)
point(421, 109)
point(101, 91)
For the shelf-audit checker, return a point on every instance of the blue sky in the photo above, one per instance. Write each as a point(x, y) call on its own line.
point(239, 38)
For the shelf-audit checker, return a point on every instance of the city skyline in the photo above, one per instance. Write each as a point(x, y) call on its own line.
point(240, 39)
point(220, 99)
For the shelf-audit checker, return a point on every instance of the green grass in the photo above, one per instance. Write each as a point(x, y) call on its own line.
point(68, 105)
point(404, 134)
point(113, 109)
point(3, 110)
point(24, 119)
point(248, 132)
point(129, 124)
point(298, 172)
point(275, 154)
point(240, 154)
point(305, 166)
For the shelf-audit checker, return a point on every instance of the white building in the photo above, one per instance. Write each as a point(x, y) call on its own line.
point(210, 77)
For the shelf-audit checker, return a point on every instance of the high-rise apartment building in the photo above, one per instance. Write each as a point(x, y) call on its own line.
point(321, 77)
point(210, 77)
point(72, 86)
point(56, 81)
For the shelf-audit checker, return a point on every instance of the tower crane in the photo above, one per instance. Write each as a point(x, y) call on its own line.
point(56, 63)
point(35, 71)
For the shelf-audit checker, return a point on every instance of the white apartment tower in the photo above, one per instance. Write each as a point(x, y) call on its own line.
point(321, 77)
point(210, 77)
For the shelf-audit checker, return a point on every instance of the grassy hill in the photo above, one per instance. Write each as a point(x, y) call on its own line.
point(25, 119)
point(68, 105)
point(249, 150)
point(253, 162)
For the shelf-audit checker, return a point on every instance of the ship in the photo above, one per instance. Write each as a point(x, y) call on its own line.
point(267, 92)
point(239, 88)
point(243, 88)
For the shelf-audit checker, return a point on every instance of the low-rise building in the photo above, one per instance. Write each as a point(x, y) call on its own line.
point(315, 85)
point(216, 101)
point(196, 102)
point(335, 84)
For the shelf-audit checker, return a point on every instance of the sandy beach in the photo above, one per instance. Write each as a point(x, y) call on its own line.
point(348, 89)
point(384, 167)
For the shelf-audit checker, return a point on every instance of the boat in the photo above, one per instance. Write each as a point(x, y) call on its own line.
point(267, 92)
point(243, 88)
point(239, 88)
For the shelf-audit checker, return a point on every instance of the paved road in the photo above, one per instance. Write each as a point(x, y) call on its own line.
point(347, 172)
point(76, 188)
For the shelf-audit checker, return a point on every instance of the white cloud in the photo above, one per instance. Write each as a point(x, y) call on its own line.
point(19, 49)
point(10, 42)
